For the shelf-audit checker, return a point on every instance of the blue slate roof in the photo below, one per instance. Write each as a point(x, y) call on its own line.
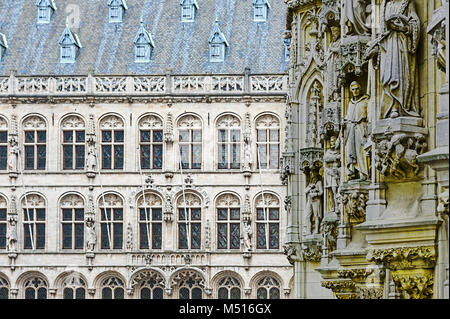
point(108, 47)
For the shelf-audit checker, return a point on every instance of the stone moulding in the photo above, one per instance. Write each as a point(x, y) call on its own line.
point(404, 257)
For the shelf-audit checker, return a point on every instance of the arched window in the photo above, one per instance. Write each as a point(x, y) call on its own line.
point(112, 143)
point(268, 141)
point(150, 284)
point(3, 222)
point(268, 288)
point(229, 142)
point(228, 221)
point(3, 144)
point(72, 222)
point(190, 142)
point(267, 217)
point(4, 288)
point(151, 142)
point(35, 143)
point(150, 221)
point(113, 288)
point(189, 285)
point(189, 221)
point(229, 288)
point(74, 287)
point(34, 214)
point(73, 142)
point(111, 221)
point(35, 288)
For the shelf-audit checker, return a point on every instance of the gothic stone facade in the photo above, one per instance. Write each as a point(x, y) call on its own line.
point(368, 138)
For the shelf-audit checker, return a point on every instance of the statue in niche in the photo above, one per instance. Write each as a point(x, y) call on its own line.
point(356, 133)
point(247, 237)
point(91, 237)
point(331, 159)
point(91, 162)
point(13, 156)
point(314, 192)
point(11, 236)
point(397, 46)
point(330, 62)
point(356, 17)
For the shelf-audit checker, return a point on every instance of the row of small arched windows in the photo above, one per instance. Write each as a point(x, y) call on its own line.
point(146, 284)
point(78, 155)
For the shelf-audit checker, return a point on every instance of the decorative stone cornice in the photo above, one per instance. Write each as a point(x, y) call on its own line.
point(369, 292)
point(291, 4)
point(414, 285)
point(356, 274)
point(404, 257)
point(342, 288)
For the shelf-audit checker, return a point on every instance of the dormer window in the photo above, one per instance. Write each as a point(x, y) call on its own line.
point(260, 8)
point(69, 46)
point(287, 44)
point(3, 45)
point(143, 45)
point(217, 45)
point(116, 10)
point(188, 10)
point(45, 10)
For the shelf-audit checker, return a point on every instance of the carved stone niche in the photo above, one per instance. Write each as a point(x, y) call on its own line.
point(352, 55)
point(328, 228)
point(329, 120)
point(330, 14)
point(412, 269)
point(354, 197)
point(287, 168)
point(398, 142)
point(311, 158)
point(436, 28)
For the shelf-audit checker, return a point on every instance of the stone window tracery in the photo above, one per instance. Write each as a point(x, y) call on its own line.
point(267, 217)
point(189, 221)
point(35, 143)
point(189, 285)
point(72, 222)
point(151, 142)
point(112, 142)
point(268, 288)
point(150, 284)
point(35, 288)
point(113, 288)
point(268, 142)
point(73, 136)
point(150, 221)
point(229, 142)
point(74, 287)
point(111, 221)
point(228, 221)
point(229, 288)
point(34, 217)
point(190, 142)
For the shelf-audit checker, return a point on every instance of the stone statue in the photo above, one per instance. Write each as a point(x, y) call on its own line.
point(11, 236)
point(91, 162)
point(331, 159)
point(247, 156)
point(91, 237)
point(356, 133)
point(314, 192)
point(330, 63)
point(247, 237)
point(397, 46)
point(355, 17)
point(13, 156)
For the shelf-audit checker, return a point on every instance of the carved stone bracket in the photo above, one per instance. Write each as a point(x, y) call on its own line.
point(342, 288)
point(287, 166)
point(290, 250)
point(311, 248)
point(417, 284)
point(329, 120)
point(398, 142)
point(352, 55)
point(354, 197)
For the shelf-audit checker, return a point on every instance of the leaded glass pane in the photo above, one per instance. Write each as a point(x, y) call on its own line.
point(273, 236)
point(2, 235)
point(80, 293)
point(274, 156)
point(235, 214)
point(273, 213)
point(157, 136)
point(106, 293)
point(79, 214)
point(184, 136)
point(106, 156)
point(184, 293)
point(118, 235)
point(67, 136)
point(118, 156)
point(274, 293)
point(67, 236)
point(106, 136)
point(196, 156)
point(118, 293)
point(67, 214)
point(182, 239)
point(4, 293)
point(196, 236)
point(222, 236)
point(222, 214)
point(118, 136)
point(68, 157)
point(29, 157)
point(196, 214)
point(3, 136)
point(157, 214)
point(145, 136)
point(42, 293)
point(222, 293)
point(41, 136)
point(40, 214)
point(79, 136)
point(145, 293)
point(143, 236)
point(261, 235)
point(235, 236)
point(68, 293)
point(41, 154)
point(104, 235)
point(184, 154)
point(3, 214)
point(261, 293)
point(262, 135)
point(235, 293)
point(196, 293)
point(262, 155)
point(157, 293)
point(157, 235)
point(29, 293)
point(157, 156)
point(235, 156)
point(196, 135)
point(40, 235)
point(79, 236)
point(79, 149)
